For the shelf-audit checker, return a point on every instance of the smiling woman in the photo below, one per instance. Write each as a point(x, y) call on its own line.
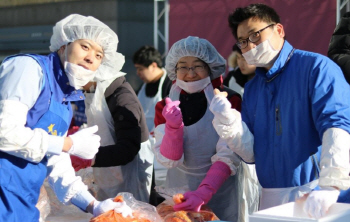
point(186, 141)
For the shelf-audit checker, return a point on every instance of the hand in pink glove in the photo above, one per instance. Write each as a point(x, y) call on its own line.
point(193, 201)
point(172, 113)
point(172, 143)
point(79, 163)
point(216, 176)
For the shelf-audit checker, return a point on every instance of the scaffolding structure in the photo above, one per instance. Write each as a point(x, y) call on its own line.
point(161, 34)
point(342, 7)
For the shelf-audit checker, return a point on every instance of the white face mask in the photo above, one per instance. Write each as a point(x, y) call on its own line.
point(193, 87)
point(77, 75)
point(263, 55)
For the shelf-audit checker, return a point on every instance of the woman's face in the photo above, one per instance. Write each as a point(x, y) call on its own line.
point(245, 68)
point(190, 69)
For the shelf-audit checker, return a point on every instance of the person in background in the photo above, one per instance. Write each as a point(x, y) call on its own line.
point(35, 114)
point(186, 142)
point(156, 86)
point(232, 61)
point(339, 47)
point(237, 78)
point(124, 162)
point(295, 119)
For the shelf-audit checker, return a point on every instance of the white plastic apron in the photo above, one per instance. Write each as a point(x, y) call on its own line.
point(271, 197)
point(134, 177)
point(200, 141)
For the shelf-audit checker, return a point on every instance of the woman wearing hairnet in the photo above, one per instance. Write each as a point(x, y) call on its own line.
point(186, 142)
point(124, 162)
point(35, 114)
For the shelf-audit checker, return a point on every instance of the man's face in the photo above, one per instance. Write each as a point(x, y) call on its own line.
point(274, 33)
point(147, 74)
point(85, 53)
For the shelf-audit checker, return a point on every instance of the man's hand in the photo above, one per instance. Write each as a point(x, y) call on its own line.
point(319, 201)
point(221, 108)
point(85, 143)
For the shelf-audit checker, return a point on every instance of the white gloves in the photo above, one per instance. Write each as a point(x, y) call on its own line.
point(230, 127)
point(319, 201)
point(221, 108)
point(123, 209)
point(109, 204)
point(85, 143)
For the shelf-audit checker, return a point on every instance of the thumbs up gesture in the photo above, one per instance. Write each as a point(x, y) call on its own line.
point(221, 108)
point(172, 113)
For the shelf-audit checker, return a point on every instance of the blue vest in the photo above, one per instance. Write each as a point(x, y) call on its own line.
point(20, 180)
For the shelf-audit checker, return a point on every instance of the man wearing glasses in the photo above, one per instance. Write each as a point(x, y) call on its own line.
point(295, 120)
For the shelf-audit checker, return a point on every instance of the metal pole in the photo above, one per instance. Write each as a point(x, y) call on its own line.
point(338, 12)
point(155, 24)
point(166, 27)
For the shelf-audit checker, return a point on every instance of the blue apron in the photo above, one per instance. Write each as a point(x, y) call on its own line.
point(20, 180)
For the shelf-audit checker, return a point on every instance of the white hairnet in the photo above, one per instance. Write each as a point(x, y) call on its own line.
point(197, 47)
point(75, 27)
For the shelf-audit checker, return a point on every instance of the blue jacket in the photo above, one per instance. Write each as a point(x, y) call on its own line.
point(288, 109)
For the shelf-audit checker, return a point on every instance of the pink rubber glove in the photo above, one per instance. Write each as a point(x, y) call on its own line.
point(216, 176)
point(172, 113)
point(172, 143)
point(79, 163)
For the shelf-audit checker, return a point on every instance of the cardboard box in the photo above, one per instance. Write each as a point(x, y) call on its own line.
point(292, 212)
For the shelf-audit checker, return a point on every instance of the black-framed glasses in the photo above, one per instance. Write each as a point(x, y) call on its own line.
point(254, 37)
point(185, 70)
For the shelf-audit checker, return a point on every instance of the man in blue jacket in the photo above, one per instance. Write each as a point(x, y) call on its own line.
point(35, 114)
point(295, 120)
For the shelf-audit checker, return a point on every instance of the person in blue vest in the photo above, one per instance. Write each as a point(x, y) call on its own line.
point(35, 113)
point(295, 121)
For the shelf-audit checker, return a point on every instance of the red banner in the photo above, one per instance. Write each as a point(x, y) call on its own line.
point(308, 24)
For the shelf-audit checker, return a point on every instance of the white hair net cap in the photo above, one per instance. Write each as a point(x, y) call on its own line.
point(75, 27)
point(197, 47)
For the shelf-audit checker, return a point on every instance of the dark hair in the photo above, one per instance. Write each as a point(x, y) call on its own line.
point(236, 48)
point(146, 55)
point(259, 11)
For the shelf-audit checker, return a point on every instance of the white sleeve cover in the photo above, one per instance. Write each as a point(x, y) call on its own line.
point(21, 79)
point(62, 178)
point(21, 141)
point(15, 138)
point(237, 136)
point(159, 133)
point(226, 155)
point(334, 163)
